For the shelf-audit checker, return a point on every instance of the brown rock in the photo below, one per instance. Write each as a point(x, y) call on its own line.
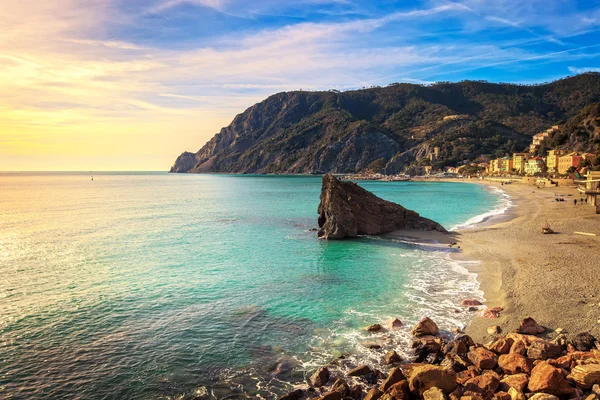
point(464, 376)
point(456, 394)
point(543, 396)
point(514, 363)
point(347, 210)
point(517, 381)
point(373, 394)
point(584, 341)
point(425, 377)
point(341, 386)
point(518, 347)
point(501, 396)
point(548, 379)
point(483, 358)
point(396, 324)
point(398, 391)
point(530, 327)
point(471, 396)
point(394, 377)
point(455, 347)
point(501, 346)
point(470, 302)
point(294, 395)
point(543, 350)
point(320, 377)
point(374, 328)
point(515, 394)
point(484, 384)
point(494, 330)
point(425, 327)
point(492, 312)
point(586, 375)
point(331, 396)
point(359, 371)
point(434, 394)
point(561, 362)
point(391, 357)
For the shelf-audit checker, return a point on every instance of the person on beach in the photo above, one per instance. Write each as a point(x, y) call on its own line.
point(575, 201)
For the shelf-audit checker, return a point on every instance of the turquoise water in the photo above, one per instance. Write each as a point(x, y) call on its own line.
point(151, 285)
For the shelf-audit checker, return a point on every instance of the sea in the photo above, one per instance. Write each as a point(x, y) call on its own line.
point(148, 285)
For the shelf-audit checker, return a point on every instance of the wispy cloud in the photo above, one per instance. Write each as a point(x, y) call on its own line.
point(581, 70)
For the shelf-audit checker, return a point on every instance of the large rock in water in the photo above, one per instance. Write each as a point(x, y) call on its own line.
point(347, 210)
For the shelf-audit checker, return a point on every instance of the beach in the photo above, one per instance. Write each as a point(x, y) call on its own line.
point(552, 278)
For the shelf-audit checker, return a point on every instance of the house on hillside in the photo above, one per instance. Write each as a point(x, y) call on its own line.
point(567, 161)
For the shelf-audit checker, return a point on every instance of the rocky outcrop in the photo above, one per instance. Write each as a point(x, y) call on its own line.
point(347, 210)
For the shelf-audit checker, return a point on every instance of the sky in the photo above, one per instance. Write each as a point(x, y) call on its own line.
point(130, 84)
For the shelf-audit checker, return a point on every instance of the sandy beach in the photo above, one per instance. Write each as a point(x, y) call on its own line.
point(552, 278)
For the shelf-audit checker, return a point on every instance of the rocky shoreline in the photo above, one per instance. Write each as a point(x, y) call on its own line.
point(529, 363)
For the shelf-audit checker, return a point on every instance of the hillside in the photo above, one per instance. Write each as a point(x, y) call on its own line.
point(388, 128)
point(580, 133)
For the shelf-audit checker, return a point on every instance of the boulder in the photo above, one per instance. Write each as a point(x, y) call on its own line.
point(455, 347)
point(320, 377)
point(359, 371)
point(543, 396)
point(517, 381)
point(425, 327)
point(492, 313)
point(398, 391)
point(584, 341)
point(543, 350)
point(341, 386)
point(501, 346)
point(434, 394)
point(424, 377)
point(373, 394)
point(515, 394)
point(464, 376)
point(391, 357)
point(586, 376)
point(470, 302)
point(518, 347)
point(374, 328)
point(347, 210)
point(501, 396)
point(483, 358)
point(530, 327)
point(331, 396)
point(484, 384)
point(514, 363)
point(293, 395)
point(548, 379)
point(395, 376)
point(396, 324)
point(494, 330)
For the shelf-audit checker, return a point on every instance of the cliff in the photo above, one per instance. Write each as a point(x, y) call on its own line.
point(347, 210)
point(397, 126)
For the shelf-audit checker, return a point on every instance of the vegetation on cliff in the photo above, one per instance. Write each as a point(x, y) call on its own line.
point(391, 127)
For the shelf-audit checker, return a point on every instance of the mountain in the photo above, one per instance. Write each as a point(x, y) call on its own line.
point(389, 128)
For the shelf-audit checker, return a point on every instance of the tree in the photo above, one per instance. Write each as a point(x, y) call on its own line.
point(377, 165)
point(571, 169)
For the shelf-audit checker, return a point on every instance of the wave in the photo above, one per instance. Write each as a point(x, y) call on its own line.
point(503, 205)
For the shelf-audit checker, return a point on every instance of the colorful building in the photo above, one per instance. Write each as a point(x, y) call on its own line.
point(567, 161)
point(494, 166)
point(538, 138)
point(552, 159)
point(505, 165)
point(535, 165)
point(519, 162)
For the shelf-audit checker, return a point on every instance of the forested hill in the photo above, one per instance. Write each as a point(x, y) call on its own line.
point(389, 128)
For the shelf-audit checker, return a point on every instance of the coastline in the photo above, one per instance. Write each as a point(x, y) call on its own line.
point(552, 278)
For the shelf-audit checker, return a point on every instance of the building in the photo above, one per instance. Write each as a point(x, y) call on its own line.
point(535, 165)
point(505, 165)
point(494, 166)
point(567, 161)
point(552, 159)
point(590, 187)
point(428, 169)
point(519, 162)
point(538, 138)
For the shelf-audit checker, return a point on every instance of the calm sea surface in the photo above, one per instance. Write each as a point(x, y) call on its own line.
point(150, 285)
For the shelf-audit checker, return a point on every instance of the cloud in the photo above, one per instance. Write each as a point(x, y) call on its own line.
point(582, 70)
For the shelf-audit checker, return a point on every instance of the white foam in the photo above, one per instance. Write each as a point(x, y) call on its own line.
point(503, 205)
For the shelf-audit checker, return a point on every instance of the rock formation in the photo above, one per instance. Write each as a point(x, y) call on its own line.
point(347, 210)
